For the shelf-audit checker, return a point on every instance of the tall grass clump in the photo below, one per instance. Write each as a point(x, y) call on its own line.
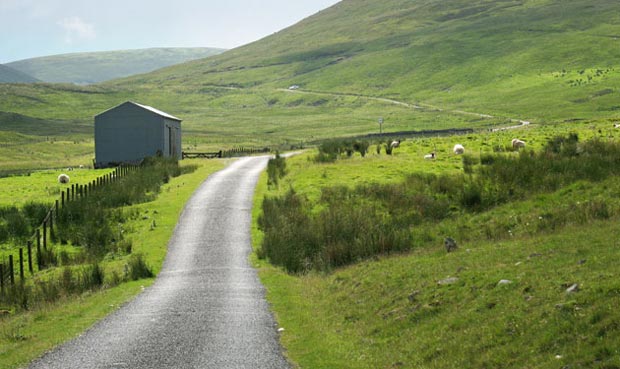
point(349, 224)
point(276, 169)
point(564, 160)
point(89, 221)
point(342, 233)
point(332, 150)
point(18, 224)
point(137, 268)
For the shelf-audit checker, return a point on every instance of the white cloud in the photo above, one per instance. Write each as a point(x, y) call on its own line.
point(76, 29)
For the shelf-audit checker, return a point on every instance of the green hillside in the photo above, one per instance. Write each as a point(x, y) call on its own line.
point(10, 75)
point(86, 68)
point(419, 64)
point(545, 59)
point(364, 279)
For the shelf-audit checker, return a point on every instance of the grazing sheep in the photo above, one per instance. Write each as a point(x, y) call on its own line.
point(63, 178)
point(81, 166)
point(395, 144)
point(429, 156)
point(517, 144)
point(617, 125)
point(69, 169)
point(458, 149)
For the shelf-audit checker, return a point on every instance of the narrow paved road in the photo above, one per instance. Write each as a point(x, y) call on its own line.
point(207, 308)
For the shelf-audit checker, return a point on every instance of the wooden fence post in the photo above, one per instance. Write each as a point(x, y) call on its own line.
point(2, 277)
point(51, 218)
point(45, 234)
point(21, 263)
point(62, 199)
point(39, 264)
point(11, 271)
point(72, 192)
point(30, 257)
point(68, 192)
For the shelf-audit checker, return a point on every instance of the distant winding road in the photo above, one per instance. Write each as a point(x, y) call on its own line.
point(421, 106)
point(206, 309)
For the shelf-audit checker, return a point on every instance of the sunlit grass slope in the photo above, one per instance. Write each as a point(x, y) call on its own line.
point(503, 299)
point(537, 60)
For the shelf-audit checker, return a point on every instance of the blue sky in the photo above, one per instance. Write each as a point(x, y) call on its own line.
point(31, 28)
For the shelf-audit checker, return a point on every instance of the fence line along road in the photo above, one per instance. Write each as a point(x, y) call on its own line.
point(207, 308)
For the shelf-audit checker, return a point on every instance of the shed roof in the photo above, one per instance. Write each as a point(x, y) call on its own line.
point(146, 107)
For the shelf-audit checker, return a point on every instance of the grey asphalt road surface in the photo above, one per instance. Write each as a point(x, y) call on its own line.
point(207, 308)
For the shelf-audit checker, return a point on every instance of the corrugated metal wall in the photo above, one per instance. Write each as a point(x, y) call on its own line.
point(129, 133)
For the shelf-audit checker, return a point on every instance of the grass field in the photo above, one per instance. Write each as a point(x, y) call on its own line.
point(429, 64)
point(540, 61)
point(42, 186)
point(403, 310)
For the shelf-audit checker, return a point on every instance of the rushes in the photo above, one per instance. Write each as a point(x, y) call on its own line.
point(349, 224)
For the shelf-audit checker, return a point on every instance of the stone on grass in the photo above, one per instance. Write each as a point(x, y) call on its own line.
point(450, 244)
point(447, 281)
point(573, 288)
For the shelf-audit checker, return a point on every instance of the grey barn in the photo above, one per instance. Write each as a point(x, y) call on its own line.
point(130, 132)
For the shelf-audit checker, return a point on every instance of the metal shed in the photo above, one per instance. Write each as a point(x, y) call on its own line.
point(130, 132)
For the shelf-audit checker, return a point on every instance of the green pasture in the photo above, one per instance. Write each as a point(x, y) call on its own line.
point(42, 186)
point(402, 310)
point(409, 157)
point(26, 335)
point(392, 312)
point(548, 62)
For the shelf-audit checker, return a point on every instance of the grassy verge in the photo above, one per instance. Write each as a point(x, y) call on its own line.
point(393, 312)
point(25, 336)
point(430, 309)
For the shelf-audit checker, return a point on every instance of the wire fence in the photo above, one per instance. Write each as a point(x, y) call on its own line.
point(38, 250)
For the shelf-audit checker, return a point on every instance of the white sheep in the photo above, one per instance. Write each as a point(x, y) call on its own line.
point(458, 149)
point(63, 178)
point(517, 144)
point(617, 125)
point(430, 156)
point(81, 166)
point(395, 144)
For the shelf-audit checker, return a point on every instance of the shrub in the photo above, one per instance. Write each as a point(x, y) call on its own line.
point(276, 169)
point(349, 224)
point(361, 147)
point(388, 147)
point(342, 233)
point(138, 269)
point(92, 276)
point(330, 151)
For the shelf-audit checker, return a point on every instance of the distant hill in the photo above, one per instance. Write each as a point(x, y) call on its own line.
point(10, 75)
point(548, 58)
point(437, 63)
point(87, 68)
